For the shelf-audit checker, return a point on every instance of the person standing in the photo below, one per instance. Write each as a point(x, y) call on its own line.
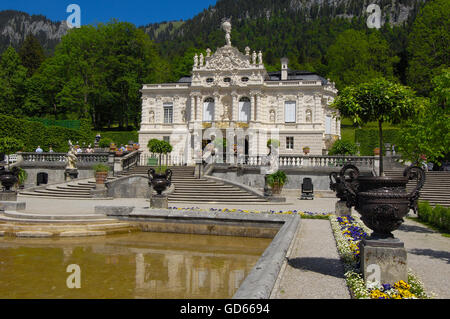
point(39, 149)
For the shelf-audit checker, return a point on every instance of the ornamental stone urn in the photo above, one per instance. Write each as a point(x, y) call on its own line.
point(383, 202)
point(159, 182)
point(8, 178)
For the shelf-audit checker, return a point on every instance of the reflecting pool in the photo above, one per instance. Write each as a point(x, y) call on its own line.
point(137, 265)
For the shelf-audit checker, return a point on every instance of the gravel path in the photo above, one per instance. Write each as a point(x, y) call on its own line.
point(428, 256)
point(313, 269)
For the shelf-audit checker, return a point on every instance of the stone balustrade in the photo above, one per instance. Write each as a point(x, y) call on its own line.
point(85, 158)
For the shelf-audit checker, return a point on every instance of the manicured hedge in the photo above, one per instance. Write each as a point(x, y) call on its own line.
point(120, 137)
point(33, 134)
point(369, 139)
point(438, 216)
point(72, 124)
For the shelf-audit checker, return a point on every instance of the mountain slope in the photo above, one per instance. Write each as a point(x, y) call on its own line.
point(16, 25)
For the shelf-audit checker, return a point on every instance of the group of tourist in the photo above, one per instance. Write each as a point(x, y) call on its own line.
point(77, 148)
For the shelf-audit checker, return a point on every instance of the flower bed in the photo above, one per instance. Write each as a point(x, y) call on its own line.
point(348, 232)
point(303, 214)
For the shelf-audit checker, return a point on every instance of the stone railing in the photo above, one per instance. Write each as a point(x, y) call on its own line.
point(172, 159)
point(83, 158)
point(326, 161)
point(299, 161)
point(126, 162)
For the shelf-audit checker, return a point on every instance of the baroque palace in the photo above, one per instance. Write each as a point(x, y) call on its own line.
point(232, 91)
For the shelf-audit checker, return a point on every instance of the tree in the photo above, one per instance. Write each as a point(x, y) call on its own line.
point(159, 147)
point(342, 147)
point(357, 57)
point(428, 45)
point(377, 101)
point(32, 54)
point(12, 83)
point(428, 134)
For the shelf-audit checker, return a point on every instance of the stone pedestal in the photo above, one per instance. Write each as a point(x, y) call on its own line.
point(159, 201)
point(70, 174)
point(384, 260)
point(342, 209)
point(100, 191)
point(8, 196)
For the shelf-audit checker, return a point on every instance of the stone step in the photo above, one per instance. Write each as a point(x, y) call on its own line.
point(71, 217)
point(24, 220)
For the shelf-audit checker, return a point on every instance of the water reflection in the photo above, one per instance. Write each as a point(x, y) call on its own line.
point(140, 265)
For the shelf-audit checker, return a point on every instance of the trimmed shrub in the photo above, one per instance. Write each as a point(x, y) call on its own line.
point(369, 139)
point(341, 147)
point(119, 137)
point(438, 216)
point(33, 134)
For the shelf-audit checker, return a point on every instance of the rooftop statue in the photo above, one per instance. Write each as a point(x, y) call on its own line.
point(226, 26)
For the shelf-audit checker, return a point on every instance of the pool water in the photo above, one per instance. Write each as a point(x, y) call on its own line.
point(137, 265)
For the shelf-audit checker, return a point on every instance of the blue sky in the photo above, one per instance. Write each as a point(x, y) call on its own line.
point(139, 12)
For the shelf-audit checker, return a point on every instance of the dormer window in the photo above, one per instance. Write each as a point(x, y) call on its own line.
point(227, 80)
point(209, 80)
point(244, 79)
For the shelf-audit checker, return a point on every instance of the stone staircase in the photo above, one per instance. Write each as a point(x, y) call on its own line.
point(191, 189)
point(72, 190)
point(436, 189)
point(188, 188)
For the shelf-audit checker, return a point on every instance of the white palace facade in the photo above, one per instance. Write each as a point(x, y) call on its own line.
point(230, 91)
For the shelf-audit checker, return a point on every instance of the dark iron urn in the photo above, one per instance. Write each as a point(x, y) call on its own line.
point(383, 202)
point(159, 182)
point(8, 178)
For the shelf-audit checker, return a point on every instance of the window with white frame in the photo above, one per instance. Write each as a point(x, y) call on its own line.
point(244, 109)
point(290, 112)
point(208, 110)
point(290, 143)
point(168, 113)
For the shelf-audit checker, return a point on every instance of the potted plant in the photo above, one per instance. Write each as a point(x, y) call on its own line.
point(276, 181)
point(306, 150)
point(113, 147)
point(9, 177)
point(101, 173)
point(106, 143)
point(21, 178)
point(382, 201)
point(376, 151)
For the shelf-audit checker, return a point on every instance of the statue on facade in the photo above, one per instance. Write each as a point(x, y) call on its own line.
point(272, 116)
point(195, 60)
point(254, 57)
point(201, 59)
point(208, 52)
point(260, 58)
point(152, 117)
point(226, 26)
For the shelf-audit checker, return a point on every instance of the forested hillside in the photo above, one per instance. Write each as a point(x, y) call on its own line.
point(96, 72)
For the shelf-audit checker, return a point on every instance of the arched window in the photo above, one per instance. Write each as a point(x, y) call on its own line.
point(208, 110)
point(209, 80)
point(309, 118)
point(245, 79)
point(244, 109)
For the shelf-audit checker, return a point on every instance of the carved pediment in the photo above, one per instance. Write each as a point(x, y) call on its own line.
point(228, 58)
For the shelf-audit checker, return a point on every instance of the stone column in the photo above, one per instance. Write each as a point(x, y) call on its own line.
point(253, 108)
point(192, 116)
point(235, 107)
point(198, 112)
